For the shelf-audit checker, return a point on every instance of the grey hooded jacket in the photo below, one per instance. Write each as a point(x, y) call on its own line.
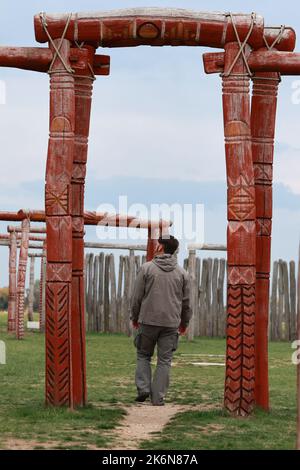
point(161, 294)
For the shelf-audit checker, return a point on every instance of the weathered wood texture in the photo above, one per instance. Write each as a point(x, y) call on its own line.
point(31, 289)
point(241, 256)
point(160, 27)
point(21, 279)
point(283, 302)
point(12, 289)
point(263, 119)
point(58, 203)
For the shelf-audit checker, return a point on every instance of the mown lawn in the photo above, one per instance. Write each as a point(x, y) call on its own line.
point(110, 369)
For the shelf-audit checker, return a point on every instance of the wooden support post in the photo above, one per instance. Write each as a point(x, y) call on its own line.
point(293, 306)
point(95, 299)
point(83, 81)
point(31, 289)
point(240, 362)
point(113, 294)
point(273, 304)
point(192, 277)
point(263, 119)
point(100, 309)
point(23, 257)
point(153, 235)
point(60, 364)
point(12, 290)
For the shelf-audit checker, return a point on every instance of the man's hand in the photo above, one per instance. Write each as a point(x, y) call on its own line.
point(182, 329)
point(135, 325)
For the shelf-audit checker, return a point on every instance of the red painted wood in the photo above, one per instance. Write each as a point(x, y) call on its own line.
point(83, 100)
point(134, 27)
point(286, 63)
point(153, 235)
point(90, 218)
point(240, 359)
point(42, 288)
point(23, 256)
point(12, 290)
point(58, 201)
point(39, 59)
point(263, 119)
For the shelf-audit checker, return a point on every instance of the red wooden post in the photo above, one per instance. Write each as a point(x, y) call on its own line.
point(240, 362)
point(12, 290)
point(59, 360)
point(83, 100)
point(263, 119)
point(22, 278)
point(153, 235)
point(42, 291)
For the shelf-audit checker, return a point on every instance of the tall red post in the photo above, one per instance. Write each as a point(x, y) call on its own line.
point(153, 235)
point(58, 201)
point(12, 290)
point(263, 119)
point(23, 257)
point(83, 100)
point(240, 360)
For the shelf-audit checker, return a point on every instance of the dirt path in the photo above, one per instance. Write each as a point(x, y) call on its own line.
point(144, 419)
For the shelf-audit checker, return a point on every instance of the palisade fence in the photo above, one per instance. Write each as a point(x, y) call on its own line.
point(109, 284)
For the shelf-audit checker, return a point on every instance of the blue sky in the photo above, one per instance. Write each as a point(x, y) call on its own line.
point(156, 131)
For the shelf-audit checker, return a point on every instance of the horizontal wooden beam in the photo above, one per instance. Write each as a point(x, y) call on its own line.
point(285, 63)
point(38, 59)
point(159, 27)
point(206, 247)
point(90, 218)
point(115, 246)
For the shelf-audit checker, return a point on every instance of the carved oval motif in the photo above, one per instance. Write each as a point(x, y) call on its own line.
point(148, 31)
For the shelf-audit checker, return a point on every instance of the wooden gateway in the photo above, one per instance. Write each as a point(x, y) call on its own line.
point(252, 51)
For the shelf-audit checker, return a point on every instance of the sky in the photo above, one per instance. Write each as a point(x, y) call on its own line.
point(156, 132)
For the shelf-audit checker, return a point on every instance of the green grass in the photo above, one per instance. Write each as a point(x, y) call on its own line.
point(110, 372)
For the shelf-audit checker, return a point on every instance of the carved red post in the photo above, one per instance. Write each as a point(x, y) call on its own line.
point(12, 294)
point(240, 363)
point(153, 234)
point(42, 290)
point(22, 278)
point(31, 289)
point(83, 99)
point(59, 361)
point(263, 119)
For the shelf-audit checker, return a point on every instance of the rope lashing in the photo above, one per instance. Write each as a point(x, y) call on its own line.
point(57, 49)
point(270, 48)
point(80, 46)
point(241, 44)
point(276, 40)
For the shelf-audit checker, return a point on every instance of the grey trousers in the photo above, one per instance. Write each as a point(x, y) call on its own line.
point(166, 340)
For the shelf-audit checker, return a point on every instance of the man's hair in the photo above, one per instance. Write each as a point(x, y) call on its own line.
point(170, 244)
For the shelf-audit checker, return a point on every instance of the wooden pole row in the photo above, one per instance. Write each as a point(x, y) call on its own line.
point(283, 317)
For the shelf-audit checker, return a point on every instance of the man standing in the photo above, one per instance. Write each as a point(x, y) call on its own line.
point(160, 309)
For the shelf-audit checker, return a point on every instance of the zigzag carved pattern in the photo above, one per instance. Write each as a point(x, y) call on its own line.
point(240, 362)
point(57, 344)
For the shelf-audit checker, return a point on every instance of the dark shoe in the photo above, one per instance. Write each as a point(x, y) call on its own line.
point(143, 397)
point(158, 404)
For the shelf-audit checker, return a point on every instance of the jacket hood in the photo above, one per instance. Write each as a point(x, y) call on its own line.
point(165, 262)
